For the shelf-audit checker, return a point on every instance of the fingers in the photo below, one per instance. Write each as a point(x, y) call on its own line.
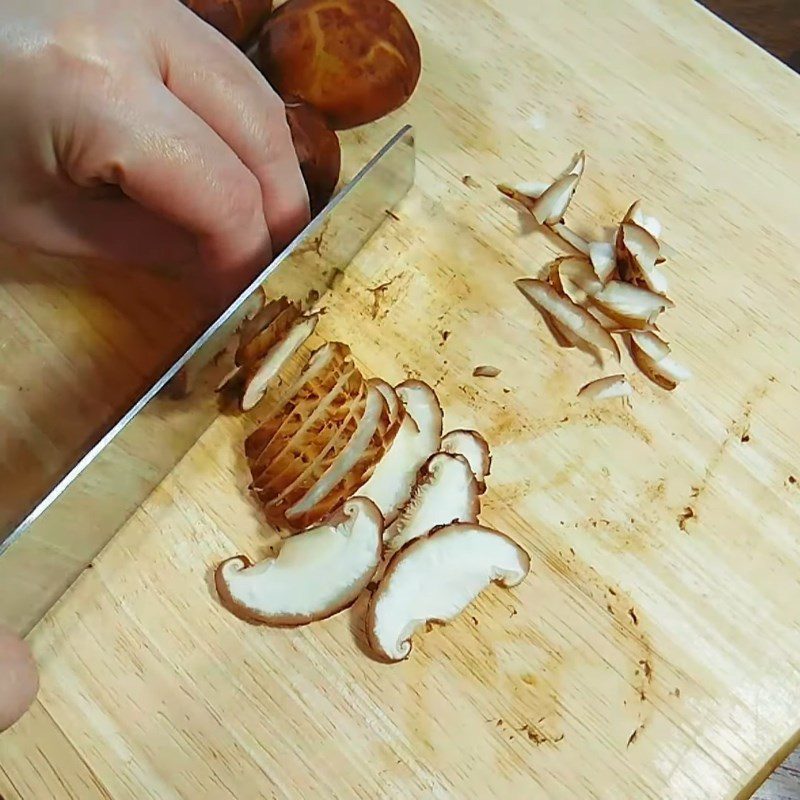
point(20, 678)
point(167, 159)
point(220, 85)
point(75, 224)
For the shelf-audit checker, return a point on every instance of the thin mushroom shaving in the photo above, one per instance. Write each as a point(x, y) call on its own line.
point(578, 321)
point(315, 575)
point(606, 388)
point(434, 578)
point(664, 372)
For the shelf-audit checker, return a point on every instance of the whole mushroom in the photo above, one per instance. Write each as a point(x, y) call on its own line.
point(353, 60)
point(237, 19)
point(318, 151)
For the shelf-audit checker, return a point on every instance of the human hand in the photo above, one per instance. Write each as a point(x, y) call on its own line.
point(19, 680)
point(135, 132)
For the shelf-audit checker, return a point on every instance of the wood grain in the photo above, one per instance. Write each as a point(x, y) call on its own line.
point(639, 659)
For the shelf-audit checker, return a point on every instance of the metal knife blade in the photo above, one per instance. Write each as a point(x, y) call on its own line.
point(49, 547)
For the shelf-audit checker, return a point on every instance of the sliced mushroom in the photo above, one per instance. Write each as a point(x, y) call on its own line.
point(390, 485)
point(637, 254)
point(352, 466)
point(652, 345)
point(397, 410)
point(650, 224)
point(606, 388)
point(475, 449)
point(603, 261)
point(434, 578)
point(261, 374)
point(578, 279)
point(574, 240)
point(446, 491)
point(580, 323)
point(314, 576)
point(664, 372)
point(270, 335)
point(550, 208)
point(632, 306)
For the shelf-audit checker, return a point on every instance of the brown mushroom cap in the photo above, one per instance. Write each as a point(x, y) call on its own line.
point(237, 19)
point(352, 60)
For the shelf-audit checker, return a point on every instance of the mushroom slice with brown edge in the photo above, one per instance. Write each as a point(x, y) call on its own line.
point(606, 388)
point(314, 576)
point(474, 448)
point(261, 374)
point(650, 224)
point(352, 466)
point(578, 279)
point(266, 339)
point(602, 256)
point(434, 578)
point(252, 326)
point(390, 485)
point(664, 372)
point(633, 306)
point(446, 491)
point(578, 321)
point(397, 410)
point(637, 253)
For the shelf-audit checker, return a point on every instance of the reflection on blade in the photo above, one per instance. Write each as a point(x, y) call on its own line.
point(42, 554)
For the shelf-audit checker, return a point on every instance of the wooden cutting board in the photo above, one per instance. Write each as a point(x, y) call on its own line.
point(648, 655)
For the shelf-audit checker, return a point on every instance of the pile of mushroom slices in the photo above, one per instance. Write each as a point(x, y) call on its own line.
point(607, 288)
point(374, 496)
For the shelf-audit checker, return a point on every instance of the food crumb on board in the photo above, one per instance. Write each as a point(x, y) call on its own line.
point(468, 180)
point(485, 371)
point(685, 516)
point(632, 614)
point(390, 213)
point(635, 735)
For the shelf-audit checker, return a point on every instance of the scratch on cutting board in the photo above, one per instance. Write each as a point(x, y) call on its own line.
point(738, 431)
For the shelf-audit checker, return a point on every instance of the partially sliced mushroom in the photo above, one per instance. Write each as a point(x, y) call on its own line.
point(261, 374)
point(362, 452)
point(577, 320)
point(633, 306)
point(292, 451)
point(603, 261)
point(434, 578)
point(606, 388)
point(253, 325)
point(446, 492)
point(664, 372)
point(637, 254)
point(390, 485)
point(474, 448)
point(314, 576)
point(295, 482)
point(322, 375)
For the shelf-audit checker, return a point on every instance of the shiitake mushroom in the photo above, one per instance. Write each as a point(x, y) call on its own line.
point(318, 151)
point(239, 20)
point(353, 60)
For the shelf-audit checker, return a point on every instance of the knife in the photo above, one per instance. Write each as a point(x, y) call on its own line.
point(54, 541)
